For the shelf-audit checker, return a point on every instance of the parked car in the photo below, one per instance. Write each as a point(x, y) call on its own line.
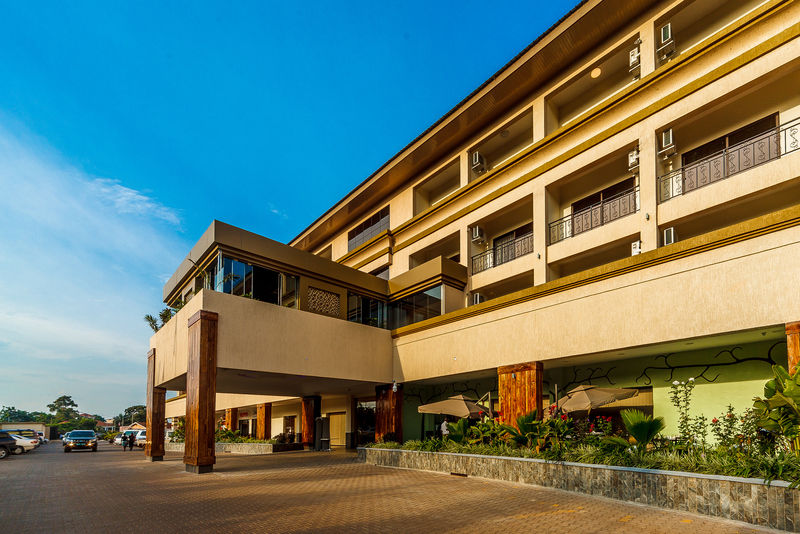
point(124, 435)
point(141, 437)
point(81, 439)
point(24, 432)
point(7, 444)
point(42, 439)
point(24, 443)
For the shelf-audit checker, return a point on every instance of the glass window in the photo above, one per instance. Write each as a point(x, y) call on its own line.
point(416, 307)
point(366, 310)
point(235, 277)
point(368, 229)
point(289, 290)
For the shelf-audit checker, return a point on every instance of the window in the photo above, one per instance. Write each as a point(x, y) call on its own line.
point(368, 229)
point(754, 129)
point(416, 307)
point(234, 277)
point(605, 194)
point(366, 310)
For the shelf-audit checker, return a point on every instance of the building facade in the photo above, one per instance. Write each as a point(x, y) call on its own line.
point(617, 206)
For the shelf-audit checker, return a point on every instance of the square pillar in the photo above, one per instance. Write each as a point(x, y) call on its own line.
point(232, 419)
point(389, 413)
point(201, 386)
point(264, 421)
point(520, 389)
point(793, 346)
point(311, 409)
point(156, 406)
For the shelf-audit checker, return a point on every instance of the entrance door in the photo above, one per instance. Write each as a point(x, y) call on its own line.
point(337, 428)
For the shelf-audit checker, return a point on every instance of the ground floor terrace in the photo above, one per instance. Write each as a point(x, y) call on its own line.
point(300, 492)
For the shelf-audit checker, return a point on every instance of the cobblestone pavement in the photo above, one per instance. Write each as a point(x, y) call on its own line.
point(47, 490)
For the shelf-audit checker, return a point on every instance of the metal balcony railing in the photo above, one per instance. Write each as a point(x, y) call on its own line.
point(738, 158)
point(502, 253)
point(610, 209)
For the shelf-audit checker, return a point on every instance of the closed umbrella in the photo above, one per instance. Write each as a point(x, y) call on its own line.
point(458, 406)
point(586, 398)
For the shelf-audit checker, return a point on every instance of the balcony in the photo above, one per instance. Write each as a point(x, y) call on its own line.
point(763, 148)
point(502, 253)
point(610, 209)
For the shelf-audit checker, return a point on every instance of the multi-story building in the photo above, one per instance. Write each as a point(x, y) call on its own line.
point(617, 206)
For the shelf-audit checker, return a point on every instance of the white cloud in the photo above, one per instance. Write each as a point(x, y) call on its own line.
point(81, 261)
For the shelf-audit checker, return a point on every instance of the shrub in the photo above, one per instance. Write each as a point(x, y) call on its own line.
point(642, 427)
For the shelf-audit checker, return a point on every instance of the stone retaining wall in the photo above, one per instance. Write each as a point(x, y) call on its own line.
point(243, 448)
point(741, 499)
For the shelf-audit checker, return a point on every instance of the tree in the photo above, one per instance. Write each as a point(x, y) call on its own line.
point(136, 413)
point(64, 408)
point(11, 415)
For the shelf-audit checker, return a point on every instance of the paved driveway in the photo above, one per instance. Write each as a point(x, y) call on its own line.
point(47, 490)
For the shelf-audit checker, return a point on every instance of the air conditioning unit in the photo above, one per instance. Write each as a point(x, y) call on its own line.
point(477, 298)
point(636, 248)
point(667, 144)
point(477, 234)
point(669, 236)
point(634, 59)
point(666, 45)
point(478, 163)
point(633, 159)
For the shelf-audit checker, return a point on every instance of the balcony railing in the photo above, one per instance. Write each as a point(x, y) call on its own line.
point(502, 253)
point(738, 158)
point(610, 209)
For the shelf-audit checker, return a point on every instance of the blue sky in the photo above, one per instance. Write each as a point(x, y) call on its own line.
point(125, 128)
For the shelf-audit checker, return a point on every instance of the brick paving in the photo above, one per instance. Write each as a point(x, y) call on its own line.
point(299, 492)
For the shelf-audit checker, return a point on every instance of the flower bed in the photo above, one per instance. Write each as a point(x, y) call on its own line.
point(742, 499)
point(244, 448)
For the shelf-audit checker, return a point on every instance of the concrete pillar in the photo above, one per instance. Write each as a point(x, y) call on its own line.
point(793, 346)
point(463, 166)
point(232, 419)
point(264, 421)
point(311, 409)
point(520, 389)
point(156, 406)
point(389, 412)
point(542, 207)
point(647, 49)
point(201, 385)
point(648, 191)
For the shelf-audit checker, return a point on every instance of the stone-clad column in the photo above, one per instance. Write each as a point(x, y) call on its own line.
point(156, 406)
point(389, 412)
point(264, 421)
point(201, 386)
point(520, 389)
point(793, 345)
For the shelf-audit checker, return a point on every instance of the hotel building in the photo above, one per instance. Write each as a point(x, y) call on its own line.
point(619, 206)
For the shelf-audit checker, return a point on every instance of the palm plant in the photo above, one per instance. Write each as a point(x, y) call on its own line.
point(779, 411)
point(458, 430)
point(642, 427)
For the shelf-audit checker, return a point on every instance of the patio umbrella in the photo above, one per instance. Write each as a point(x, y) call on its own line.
point(458, 406)
point(586, 398)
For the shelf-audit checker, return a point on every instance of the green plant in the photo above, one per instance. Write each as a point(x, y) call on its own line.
point(642, 427)
point(458, 430)
point(488, 432)
point(779, 411)
point(681, 397)
point(725, 428)
point(527, 432)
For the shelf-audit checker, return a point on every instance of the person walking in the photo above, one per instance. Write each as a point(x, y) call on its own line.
point(131, 440)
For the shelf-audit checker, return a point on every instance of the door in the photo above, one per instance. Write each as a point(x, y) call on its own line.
point(337, 428)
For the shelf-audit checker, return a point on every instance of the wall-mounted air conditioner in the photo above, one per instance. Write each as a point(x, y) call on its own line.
point(636, 248)
point(634, 59)
point(477, 298)
point(666, 46)
point(667, 144)
point(633, 159)
point(478, 163)
point(477, 234)
point(669, 236)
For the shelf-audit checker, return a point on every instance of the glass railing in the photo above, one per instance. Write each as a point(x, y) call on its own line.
point(610, 209)
point(502, 253)
point(743, 156)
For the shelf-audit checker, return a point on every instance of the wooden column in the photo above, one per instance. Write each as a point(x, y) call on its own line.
point(156, 406)
point(793, 346)
point(389, 413)
point(520, 388)
point(311, 410)
point(201, 386)
point(264, 421)
point(232, 419)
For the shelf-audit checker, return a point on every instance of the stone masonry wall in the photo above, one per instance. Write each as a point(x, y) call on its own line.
point(740, 499)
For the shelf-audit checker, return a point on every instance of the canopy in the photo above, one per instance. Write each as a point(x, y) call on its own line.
point(586, 398)
point(458, 406)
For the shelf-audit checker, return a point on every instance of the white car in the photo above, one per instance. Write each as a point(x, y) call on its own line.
point(24, 444)
point(141, 438)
